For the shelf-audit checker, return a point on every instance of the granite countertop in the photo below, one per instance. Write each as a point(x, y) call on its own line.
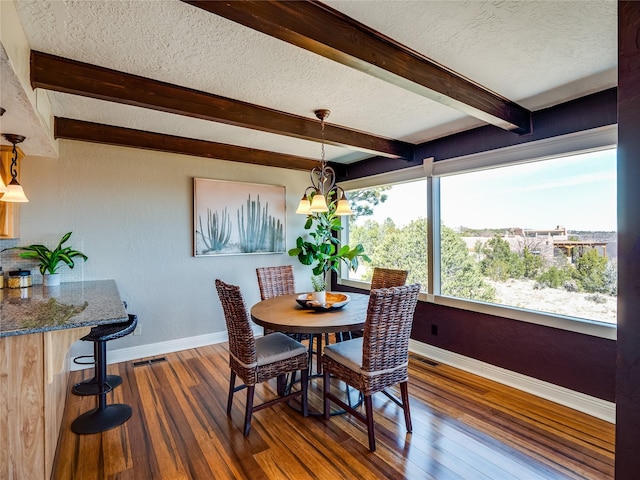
point(70, 305)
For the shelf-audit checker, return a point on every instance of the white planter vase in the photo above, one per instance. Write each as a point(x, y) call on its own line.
point(51, 279)
point(320, 297)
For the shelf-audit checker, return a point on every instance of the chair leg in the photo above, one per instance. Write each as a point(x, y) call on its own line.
point(281, 383)
point(232, 386)
point(404, 391)
point(319, 354)
point(304, 379)
point(249, 411)
point(325, 392)
point(368, 408)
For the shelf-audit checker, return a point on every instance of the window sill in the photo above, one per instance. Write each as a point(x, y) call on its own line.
point(572, 324)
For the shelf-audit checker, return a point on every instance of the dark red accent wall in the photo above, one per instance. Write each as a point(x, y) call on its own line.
point(628, 359)
point(579, 362)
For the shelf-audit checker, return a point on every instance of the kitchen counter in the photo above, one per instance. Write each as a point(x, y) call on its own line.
point(38, 325)
point(69, 305)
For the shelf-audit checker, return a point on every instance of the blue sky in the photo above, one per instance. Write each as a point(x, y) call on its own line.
point(578, 192)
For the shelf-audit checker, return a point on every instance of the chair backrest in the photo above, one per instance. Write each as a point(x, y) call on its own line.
point(274, 281)
point(242, 345)
point(388, 327)
point(387, 277)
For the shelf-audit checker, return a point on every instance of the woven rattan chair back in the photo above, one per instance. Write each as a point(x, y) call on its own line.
point(385, 343)
point(242, 345)
point(275, 281)
point(387, 277)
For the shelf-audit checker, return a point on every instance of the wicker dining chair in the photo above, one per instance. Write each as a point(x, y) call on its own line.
point(256, 360)
point(377, 360)
point(387, 277)
point(384, 278)
point(275, 281)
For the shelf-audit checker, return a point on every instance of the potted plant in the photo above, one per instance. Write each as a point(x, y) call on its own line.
point(50, 260)
point(323, 250)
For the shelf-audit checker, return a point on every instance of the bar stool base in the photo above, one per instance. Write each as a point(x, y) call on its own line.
point(99, 420)
point(90, 387)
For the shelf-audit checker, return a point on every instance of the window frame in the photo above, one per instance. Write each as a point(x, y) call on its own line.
point(601, 138)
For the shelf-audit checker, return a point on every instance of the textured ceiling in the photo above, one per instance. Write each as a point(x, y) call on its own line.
point(535, 53)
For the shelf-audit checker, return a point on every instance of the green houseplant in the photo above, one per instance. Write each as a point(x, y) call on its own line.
point(322, 249)
point(50, 260)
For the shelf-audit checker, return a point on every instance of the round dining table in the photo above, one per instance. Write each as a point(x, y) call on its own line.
point(284, 314)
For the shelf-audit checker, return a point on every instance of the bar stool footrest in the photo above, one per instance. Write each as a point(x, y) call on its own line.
point(91, 387)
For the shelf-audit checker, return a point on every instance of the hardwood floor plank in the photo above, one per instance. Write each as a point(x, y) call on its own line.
point(464, 427)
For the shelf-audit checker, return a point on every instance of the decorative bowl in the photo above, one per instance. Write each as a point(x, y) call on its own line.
point(334, 301)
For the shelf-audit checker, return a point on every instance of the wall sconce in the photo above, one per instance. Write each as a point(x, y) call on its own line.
point(323, 184)
point(14, 192)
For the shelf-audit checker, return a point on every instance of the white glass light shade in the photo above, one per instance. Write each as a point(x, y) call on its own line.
point(304, 206)
point(319, 204)
point(343, 207)
point(3, 187)
point(14, 193)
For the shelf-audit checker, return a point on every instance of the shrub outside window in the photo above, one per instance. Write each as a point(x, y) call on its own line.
point(390, 222)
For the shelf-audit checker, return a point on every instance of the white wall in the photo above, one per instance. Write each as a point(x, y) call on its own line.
point(131, 213)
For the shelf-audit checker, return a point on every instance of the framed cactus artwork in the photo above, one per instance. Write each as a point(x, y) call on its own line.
point(233, 218)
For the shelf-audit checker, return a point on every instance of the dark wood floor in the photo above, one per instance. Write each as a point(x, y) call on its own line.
point(464, 427)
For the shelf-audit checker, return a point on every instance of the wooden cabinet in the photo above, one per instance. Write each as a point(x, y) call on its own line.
point(9, 212)
point(33, 390)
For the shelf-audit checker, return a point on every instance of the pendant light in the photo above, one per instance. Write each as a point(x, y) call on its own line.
point(14, 191)
point(317, 196)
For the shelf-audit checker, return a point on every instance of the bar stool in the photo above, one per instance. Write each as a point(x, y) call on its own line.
point(104, 417)
point(91, 385)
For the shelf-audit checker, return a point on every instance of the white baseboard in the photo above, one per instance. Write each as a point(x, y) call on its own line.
point(578, 401)
point(569, 398)
point(154, 349)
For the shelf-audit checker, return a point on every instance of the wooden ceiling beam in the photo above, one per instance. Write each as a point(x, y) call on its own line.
point(331, 34)
point(69, 76)
point(126, 137)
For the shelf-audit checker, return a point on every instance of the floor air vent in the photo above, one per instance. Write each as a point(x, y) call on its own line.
point(149, 362)
point(428, 361)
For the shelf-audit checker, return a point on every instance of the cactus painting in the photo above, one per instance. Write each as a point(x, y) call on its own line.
point(216, 236)
point(232, 218)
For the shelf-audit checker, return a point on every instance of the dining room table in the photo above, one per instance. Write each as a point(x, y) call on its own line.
point(298, 313)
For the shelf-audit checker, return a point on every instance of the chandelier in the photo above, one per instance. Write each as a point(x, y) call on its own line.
point(319, 195)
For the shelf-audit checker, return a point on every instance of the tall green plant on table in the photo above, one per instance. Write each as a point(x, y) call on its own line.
point(50, 260)
point(322, 250)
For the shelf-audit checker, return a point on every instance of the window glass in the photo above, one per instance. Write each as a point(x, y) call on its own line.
point(390, 221)
point(538, 236)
